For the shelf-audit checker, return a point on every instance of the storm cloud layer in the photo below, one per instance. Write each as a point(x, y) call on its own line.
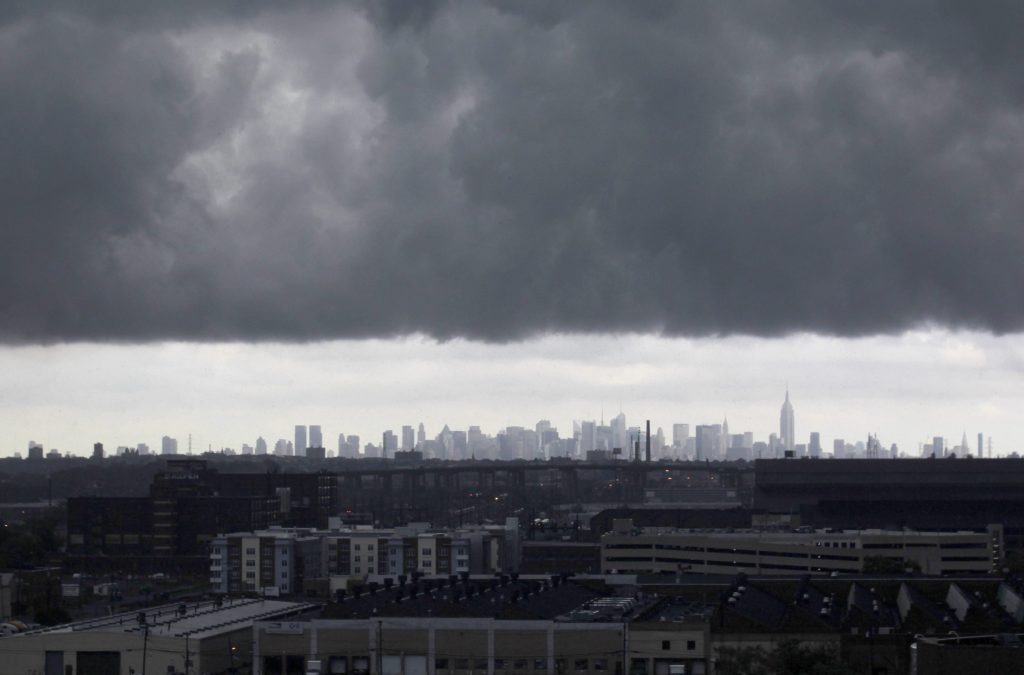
point(496, 171)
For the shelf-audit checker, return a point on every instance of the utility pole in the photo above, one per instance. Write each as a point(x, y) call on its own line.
point(380, 647)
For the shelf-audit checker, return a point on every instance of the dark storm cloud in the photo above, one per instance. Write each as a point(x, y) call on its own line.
point(497, 171)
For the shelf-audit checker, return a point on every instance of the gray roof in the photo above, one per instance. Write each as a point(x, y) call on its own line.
point(197, 619)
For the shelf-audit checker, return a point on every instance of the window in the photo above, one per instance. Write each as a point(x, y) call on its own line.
point(337, 665)
point(369, 558)
point(284, 575)
point(284, 563)
point(520, 664)
point(360, 665)
point(666, 645)
point(461, 664)
point(250, 551)
point(499, 664)
point(580, 664)
point(250, 575)
point(600, 664)
point(480, 664)
point(440, 664)
point(540, 664)
point(250, 563)
point(427, 563)
point(560, 665)
point(357, 547)
point(691, 645)
point(357, 559)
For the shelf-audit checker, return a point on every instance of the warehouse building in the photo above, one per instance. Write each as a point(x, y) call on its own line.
point(655, 550)
point(206, 637)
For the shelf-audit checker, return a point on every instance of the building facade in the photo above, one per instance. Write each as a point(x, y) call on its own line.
point(628, 550)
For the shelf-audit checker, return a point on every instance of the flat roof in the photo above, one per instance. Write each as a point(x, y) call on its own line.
point(198, 620)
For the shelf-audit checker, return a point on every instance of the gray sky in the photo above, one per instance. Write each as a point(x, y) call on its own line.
point(201, 180)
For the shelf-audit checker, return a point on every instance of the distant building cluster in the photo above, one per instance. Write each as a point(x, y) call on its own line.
point(588, 439)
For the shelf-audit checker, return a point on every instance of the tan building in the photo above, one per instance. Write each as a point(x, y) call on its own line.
point(655, 550)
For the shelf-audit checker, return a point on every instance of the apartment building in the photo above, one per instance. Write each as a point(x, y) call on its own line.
point(278, 561)
point(656, 550)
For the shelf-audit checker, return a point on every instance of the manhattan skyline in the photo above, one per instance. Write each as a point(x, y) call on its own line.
point(486, 386)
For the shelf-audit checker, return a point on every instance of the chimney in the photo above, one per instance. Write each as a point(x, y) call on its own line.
point(648, 440)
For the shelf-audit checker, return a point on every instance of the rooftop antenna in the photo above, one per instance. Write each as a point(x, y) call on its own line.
point(190, 443)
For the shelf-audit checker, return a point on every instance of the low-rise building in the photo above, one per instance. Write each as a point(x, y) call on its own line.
point(207, 637)
point(279, 561)
point(659, 550)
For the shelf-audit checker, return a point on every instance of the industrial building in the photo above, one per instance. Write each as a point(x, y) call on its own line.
point(207, 637)
point(655, 550)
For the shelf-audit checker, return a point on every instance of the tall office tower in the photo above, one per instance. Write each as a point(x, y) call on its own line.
point(787, 425)
point(246, 449)
point(168, 446)
point(300, 439)
point(421, 435)
point(389, 443)
point(97, 450)
point(680, 432)
point(447, 441)
point(659, 443)
point(261, 446)
point(460, 444)
point(408, 437)
point(588, 437)
point(965, 449)
point(620, 434)
point(142, 449)
point(316, 438)
point(708, 440)
point(815, 445)
point(838, 448)
point(723, 438)
point(352, 445)
point(981, 445)
point(938, 446)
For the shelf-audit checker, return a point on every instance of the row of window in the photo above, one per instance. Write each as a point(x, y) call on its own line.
point(338, 665)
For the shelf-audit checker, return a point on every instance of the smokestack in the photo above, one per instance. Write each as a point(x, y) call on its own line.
point(648, 440)
point(981, 446)
point(636, 450)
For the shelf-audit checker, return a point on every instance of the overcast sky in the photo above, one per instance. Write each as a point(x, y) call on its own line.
point(240, 216)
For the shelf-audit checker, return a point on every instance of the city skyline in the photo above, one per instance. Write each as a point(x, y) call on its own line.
point(835, 402)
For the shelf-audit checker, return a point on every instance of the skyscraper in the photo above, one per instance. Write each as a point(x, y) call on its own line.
point(408, 438)
point(787, 425)
point(316, 439)
point(680, 432)
point(261, 446)
point(421, 435)
point(814, 447)
point(168, 446)
point(300, 439)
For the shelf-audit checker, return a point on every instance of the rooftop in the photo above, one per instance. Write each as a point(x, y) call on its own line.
point(196, 620)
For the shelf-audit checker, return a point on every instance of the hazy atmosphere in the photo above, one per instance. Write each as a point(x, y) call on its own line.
point(228, 220)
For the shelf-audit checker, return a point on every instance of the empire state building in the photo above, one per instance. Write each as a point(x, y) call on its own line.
point(786, 424)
